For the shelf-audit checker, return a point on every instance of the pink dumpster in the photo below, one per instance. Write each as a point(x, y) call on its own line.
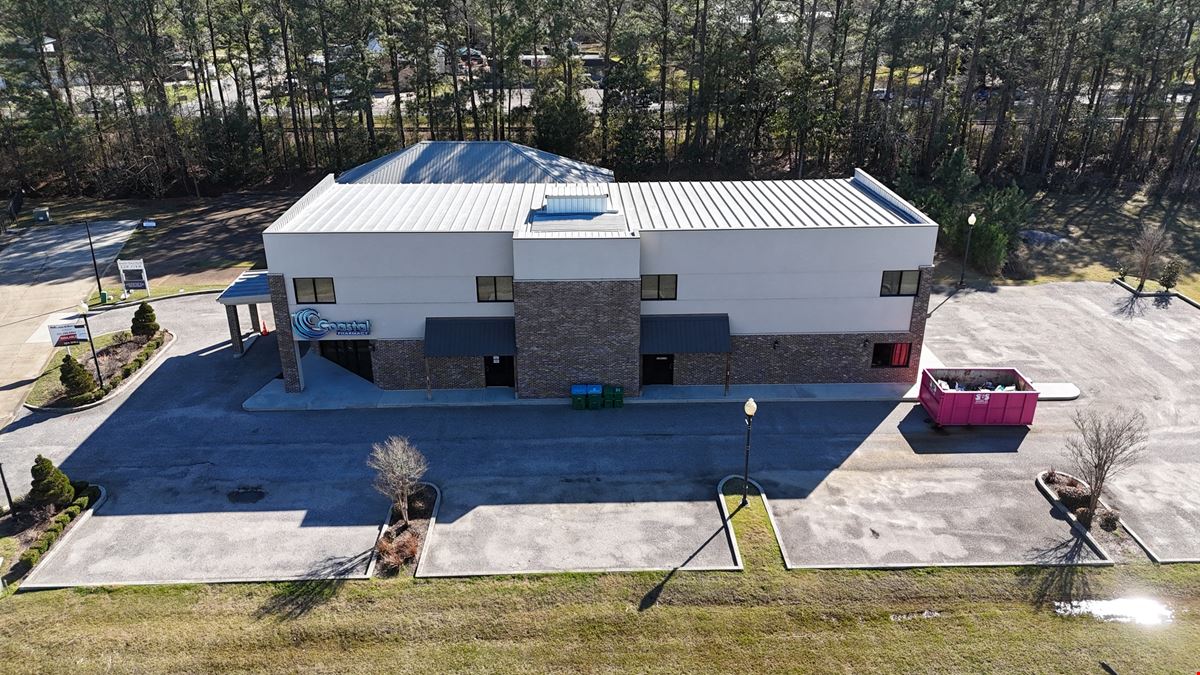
point(978, 396)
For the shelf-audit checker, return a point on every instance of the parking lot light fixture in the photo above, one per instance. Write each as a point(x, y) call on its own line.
point(750, 408)
point(962, 275)
point(83, 310)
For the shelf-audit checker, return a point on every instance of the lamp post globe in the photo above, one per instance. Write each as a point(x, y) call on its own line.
point(749, 408)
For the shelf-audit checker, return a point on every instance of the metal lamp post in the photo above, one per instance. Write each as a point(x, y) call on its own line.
point(750, 408)
point(83, 309)
point(95, 267)
point(962, 276)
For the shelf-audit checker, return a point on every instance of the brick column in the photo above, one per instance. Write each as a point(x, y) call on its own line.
point(235, 329)
point(289, 352)
point(571, 332)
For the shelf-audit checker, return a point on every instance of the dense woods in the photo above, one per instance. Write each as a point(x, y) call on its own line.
point(193, 96)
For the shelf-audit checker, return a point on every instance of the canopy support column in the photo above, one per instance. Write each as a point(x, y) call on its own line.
point(235, 329)
point(255, 322)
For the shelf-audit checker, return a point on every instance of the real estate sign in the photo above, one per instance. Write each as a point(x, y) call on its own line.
point(133, 275)
point(63, 334)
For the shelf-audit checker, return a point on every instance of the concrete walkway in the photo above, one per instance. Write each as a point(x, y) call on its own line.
point(331, 387)
point(43, 276)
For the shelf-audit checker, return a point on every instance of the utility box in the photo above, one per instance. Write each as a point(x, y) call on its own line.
point(41, 214)
point(977, 396)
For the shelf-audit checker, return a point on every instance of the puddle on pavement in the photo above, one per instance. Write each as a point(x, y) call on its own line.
point(247, 494)
point(1141, 611)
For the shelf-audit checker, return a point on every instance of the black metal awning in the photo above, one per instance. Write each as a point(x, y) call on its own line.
point(685, 333)
point(471, 336)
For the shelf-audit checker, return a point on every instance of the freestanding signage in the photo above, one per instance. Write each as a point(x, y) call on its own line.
point(133, 275)
point(63, 334)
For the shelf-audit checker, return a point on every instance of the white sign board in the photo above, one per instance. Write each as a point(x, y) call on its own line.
point(63, 334)
point(133, 275)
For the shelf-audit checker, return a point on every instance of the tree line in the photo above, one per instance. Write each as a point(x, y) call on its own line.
point(188, 96)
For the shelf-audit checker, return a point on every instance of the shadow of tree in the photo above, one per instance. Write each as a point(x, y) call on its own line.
point(294, 599)
point(650, 599)
point(1058, 577)
point(1131, 307)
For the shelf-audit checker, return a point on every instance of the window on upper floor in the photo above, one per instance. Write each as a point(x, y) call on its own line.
point(494, 289)
point(900, 282)
point(659, 286)
point(314, 290)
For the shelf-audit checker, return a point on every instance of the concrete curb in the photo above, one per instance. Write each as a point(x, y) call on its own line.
point(1156, 294)
point(521, 573)
point(437, 503)
point(762, 493)
point(151, 300)
point(1078, 527)
point(61, 543)
point(125, 384)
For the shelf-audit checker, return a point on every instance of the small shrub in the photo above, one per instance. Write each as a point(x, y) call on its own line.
point(31, 557)
point(128, 369)
point(1109, 519)
point(54, 530)
point(1171, 271)
point(50, 485)
point(145, 323)
point(1083, 516)
point(72, 512)
point(80, 502)
point(121, 337)
point(1052, 477)
point(75, 379)
point(64, 518)
point(1073, 497)
point(397, 550)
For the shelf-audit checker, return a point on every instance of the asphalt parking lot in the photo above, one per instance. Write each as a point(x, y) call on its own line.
point(577, 524)
point(171, 451)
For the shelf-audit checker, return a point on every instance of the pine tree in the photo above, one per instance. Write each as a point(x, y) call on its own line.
point(145, 324)
point(50, 485)
point(74, 377)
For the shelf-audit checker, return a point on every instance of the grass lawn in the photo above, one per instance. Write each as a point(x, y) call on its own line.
point(762, 619)
point(47, 387)
point(1100, 228)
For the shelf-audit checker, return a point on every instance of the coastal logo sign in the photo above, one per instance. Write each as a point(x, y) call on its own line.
point(309, 325)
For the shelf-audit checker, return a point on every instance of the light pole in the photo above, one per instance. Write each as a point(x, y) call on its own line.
point(962, 276)
point(83, 309)
point(95, 268)
point(750, 408)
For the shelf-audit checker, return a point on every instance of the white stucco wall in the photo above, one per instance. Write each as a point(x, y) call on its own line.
point(545, 259)
point(803, 280)
point(396, 280)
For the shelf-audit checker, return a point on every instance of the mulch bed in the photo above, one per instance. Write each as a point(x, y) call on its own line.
point(112, 359)
point(420, 510)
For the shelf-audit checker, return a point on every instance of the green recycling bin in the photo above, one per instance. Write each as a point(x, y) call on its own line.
point(104, 297)
point(608, 398)
point(595, 397)
point(618, 400)
point(579, 397)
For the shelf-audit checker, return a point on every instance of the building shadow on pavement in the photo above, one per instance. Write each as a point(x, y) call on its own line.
point(294, 599)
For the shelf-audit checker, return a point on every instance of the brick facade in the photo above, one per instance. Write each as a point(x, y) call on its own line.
point(400, 364)
point(289, 354)
point(569, 332)
point(814, 358)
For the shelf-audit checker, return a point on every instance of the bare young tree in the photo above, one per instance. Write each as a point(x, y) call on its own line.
point(1151, 245)
point(1108, 442)
point(400, 468)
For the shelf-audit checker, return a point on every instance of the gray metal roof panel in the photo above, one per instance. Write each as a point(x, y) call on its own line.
point(250, 287)
point(473, 162)
point(685, 334)
point(470, 336)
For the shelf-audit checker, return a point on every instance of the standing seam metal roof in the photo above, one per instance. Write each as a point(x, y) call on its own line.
point(473, 162)
point(665, 206)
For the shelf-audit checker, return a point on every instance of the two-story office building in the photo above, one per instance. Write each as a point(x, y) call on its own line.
point(537, 286)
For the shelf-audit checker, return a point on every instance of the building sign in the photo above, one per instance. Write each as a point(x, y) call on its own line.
point(63, 334)
point(309, 325)
point(133, 275)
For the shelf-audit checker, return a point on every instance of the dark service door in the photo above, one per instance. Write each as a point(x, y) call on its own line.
point(658, 369)
point(499, 371)
point(353, 355)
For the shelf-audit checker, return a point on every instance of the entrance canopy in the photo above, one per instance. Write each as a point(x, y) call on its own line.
point(471, 336)
point(685, 334)
point(250, 288)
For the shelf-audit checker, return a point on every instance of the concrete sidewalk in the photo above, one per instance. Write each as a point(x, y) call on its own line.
point(43, 276)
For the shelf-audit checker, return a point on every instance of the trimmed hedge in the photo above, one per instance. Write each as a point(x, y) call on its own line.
point(34, 553)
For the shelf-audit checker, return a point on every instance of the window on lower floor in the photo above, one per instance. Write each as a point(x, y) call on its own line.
point(900, 282)
point(891, 354)
point(659, 286)
point(494, 289)
point(314, 290)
